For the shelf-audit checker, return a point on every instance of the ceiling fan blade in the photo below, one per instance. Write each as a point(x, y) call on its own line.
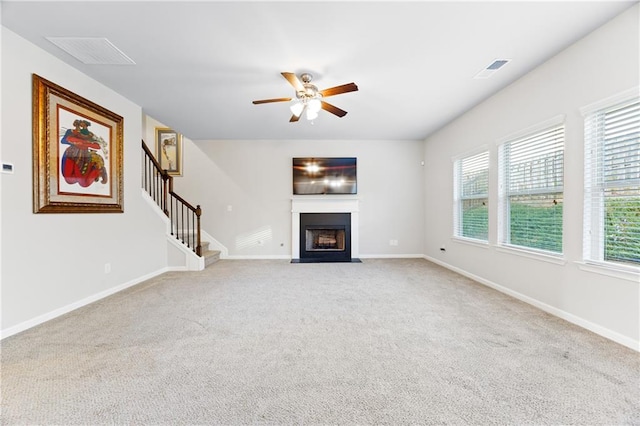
point(266, 101)
point(295, 118)
point(333, 109)
point(350, 87)
point(293, 80)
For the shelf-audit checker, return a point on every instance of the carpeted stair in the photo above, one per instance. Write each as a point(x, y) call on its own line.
point(210, 256)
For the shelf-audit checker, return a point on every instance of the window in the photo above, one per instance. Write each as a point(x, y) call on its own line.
point(531, 174)
point(612, 183)
point(471, 186)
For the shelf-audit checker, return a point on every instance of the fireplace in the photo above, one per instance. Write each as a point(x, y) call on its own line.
point(325, 237)
point(324, 229)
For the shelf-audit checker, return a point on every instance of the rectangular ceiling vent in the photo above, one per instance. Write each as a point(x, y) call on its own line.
point(92, 50)
point(492, 68)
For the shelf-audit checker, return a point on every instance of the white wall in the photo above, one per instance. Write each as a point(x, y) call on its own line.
point(254, 178)
point(53, 262)
point(601, 65)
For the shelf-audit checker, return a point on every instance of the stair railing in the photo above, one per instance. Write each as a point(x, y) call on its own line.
point(184, 218)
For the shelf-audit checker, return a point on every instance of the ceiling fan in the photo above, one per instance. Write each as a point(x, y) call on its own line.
point(309, 98)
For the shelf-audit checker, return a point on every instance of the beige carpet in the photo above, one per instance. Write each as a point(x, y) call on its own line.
point(269, 342)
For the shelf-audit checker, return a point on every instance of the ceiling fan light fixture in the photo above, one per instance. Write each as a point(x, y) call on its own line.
point(297, 108)
point(314, 105)
point(311, 115)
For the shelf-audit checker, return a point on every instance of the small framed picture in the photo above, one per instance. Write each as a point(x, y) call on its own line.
point(169, 150)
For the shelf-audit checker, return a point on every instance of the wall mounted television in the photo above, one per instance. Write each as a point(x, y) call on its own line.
point(335, 175)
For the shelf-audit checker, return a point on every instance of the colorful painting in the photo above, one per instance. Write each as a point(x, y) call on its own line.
point(85, 163)
point(77, 148)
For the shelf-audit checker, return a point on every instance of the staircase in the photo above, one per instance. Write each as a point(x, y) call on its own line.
point(209, 255)
point(184, 219)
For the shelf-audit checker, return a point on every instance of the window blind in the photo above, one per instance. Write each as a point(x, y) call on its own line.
point(471, 197)
point(612, 184)
point(531, 175)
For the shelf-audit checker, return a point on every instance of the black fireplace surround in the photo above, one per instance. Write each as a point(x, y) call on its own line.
point(331, 234)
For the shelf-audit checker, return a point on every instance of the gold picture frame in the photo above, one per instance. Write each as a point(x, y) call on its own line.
point(169, 150)
point(77, 153)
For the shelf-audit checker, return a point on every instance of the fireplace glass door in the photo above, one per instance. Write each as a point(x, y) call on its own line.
point(325, 240)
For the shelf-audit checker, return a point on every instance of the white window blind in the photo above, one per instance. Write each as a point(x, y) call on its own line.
point(531, 176)
point(612, 184)
point(471, 197)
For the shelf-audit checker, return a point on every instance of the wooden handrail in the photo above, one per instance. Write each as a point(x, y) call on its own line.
point(150, 156)
point(182, 200)
point(184, 218)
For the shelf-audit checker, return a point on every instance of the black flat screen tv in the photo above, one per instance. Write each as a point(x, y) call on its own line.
point(335, 175)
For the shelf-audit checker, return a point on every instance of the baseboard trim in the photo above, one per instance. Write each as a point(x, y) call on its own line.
point(258, 257)
point(574, 319)
point(79, 304)
point(391, 256)
point(287, 257)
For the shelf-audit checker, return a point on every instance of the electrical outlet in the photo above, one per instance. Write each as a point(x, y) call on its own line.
point(107, 268)
point(393, 242)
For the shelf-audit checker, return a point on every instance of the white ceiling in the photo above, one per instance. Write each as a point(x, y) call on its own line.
point(200, 64)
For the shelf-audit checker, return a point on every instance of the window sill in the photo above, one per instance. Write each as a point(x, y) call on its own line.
point(471, 242)
point(629, 273)
point(544, 257)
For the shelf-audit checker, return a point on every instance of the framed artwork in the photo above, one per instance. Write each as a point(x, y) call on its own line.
point(77, 153)
point(169, 150)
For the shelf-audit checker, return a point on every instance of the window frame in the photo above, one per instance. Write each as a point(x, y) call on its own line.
point(459, 198)
point(594, 233)
point(504, 211)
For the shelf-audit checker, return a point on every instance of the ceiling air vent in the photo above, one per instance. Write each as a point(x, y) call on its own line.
point(92, 50)
point(492, 68)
